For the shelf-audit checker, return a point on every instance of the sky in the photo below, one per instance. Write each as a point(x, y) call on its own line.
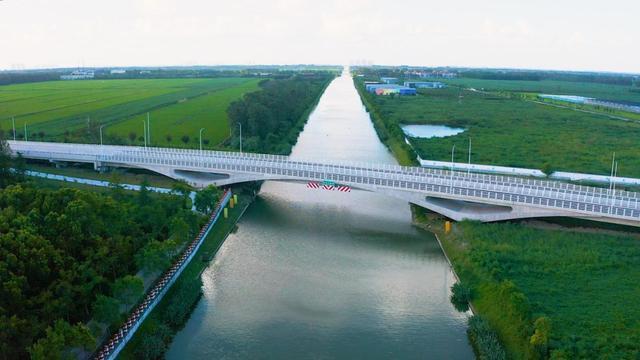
point(544, 34)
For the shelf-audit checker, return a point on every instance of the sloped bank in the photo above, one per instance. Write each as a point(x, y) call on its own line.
point(171, 314)
point(547, 293)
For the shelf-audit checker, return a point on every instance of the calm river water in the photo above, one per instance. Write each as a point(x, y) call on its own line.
point(323, 274)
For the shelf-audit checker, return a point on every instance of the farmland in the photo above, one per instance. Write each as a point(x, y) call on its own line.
point(601, 91)
point(512, 132)
point(74, 110)
point(172, 125)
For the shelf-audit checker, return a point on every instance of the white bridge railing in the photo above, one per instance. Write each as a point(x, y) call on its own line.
point(495, 189)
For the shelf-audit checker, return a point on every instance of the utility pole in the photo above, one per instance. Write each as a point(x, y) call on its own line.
point(201, 139)
point(613, 161)
point(144, 127)
point(239, 123)
point(13, 119)
point(25, 132)
point(453, 149)
point(469, 167)
point(101, 134)
point(149, 128)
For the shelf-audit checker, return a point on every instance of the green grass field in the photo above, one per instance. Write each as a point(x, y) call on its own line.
point(585, 283)
point(596, 90)
point(513, 132)
point(186, 118)
point(58, 110)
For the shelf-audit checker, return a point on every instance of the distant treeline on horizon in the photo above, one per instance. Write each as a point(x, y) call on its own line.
point(516, 74)
point(271, 71)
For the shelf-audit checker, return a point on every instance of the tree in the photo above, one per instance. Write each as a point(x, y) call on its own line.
point(169, 138)
point(6, 175)
point(183, 189)
point(59, 340)
point(185, 139)
point(206, 198)
point(179, 229)
point(132, 136)
point(540, 338)
point(128, 290)
point(155, 256)
point(106, 310)
point(143, 194)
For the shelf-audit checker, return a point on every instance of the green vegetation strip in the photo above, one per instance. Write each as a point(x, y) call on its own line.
point(169, 316)
point(551, 293)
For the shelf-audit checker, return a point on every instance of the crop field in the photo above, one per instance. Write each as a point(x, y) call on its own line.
point(513, 132)
point(74, 110)
point(179, 124)
point(601, 91)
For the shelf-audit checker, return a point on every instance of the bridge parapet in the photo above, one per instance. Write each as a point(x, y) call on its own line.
point(523, 196)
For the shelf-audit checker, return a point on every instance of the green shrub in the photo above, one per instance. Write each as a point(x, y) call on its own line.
point(461, 295)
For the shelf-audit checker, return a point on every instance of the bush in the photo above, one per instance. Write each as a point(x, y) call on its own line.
point(485, 341)
point(185, 139)
point(461, 296)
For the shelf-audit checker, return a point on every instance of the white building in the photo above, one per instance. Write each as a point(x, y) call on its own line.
point(79, 75)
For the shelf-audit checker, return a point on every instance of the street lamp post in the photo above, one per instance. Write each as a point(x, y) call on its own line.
point(25, 132)
point(239, 123)
point(13, 120)
point(201, 139)
point(144, 129)
point(469, 166)
point(149, 128)
point(453, 150)
point(101, 134)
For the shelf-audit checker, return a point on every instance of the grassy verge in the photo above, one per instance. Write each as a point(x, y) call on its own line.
point(125, 176)
point(576, 282)
point(169, 316)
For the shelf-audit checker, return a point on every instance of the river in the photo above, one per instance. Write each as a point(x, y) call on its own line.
point(325, 274)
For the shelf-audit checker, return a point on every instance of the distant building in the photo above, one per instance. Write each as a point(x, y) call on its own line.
point(79, 75)
point(118, 71)
point(425, 84)
point(389, 80)
point(388, 89)
point(435, 74)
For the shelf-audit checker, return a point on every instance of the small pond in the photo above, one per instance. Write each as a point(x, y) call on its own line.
point(430, 131)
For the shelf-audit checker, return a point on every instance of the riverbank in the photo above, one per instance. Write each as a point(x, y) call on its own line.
point(572, 283)
point(156, 333)
point(389, 134)
point(545, 292)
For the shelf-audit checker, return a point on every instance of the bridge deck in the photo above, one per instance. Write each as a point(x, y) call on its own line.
point(581, 201)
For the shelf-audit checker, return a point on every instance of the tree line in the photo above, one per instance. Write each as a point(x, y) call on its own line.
point(272, 117)
point(68, 256)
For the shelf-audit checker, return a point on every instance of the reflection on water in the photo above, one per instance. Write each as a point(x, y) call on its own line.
point(430, 131)
point(324, 274)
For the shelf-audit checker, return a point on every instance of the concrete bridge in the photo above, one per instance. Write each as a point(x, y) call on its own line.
point(457, 195)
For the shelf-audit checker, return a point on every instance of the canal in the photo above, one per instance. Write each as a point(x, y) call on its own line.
point(324, 274)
